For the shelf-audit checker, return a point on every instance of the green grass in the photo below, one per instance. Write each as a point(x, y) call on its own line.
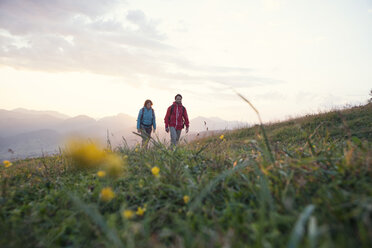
point(316, 192)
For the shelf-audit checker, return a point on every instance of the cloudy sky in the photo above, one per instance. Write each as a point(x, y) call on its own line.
point(103, 57)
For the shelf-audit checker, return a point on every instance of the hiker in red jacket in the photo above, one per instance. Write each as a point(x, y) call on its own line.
point(176, 119)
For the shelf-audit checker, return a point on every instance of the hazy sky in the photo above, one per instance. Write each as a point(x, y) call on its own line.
point(103, 57)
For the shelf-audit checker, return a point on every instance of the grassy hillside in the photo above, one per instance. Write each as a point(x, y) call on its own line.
point(311, 187)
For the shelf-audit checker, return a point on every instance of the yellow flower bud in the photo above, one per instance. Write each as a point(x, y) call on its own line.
point(7, 163)
point(155, 171)
point(107, 194)
point(186, 199)
point(140, 211)
point(101, 173)
point(127, 214)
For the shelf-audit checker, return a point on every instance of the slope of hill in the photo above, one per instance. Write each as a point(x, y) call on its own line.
point(308, 185)
point(337, 124)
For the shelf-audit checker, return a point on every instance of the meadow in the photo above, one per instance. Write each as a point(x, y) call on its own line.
point(304, 182)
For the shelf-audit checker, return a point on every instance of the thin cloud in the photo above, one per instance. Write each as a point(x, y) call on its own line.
point(64, 36)
point(144, 25)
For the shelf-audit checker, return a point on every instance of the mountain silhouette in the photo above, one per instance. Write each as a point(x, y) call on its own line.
point(26, 133)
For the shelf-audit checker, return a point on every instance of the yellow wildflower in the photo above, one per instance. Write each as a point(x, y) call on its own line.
point(114, 165)
point(101, 173)
point(85, 155)
point(222, 137)
point(235, 163)
point(140, 211)
point(186, 199)
point(128, 214)
point(136, 150)
point(107, 194)
point(7, 163)
point(155, 171)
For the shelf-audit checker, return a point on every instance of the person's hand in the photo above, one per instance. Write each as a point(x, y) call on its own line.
point(138, 131)
point(187, 129)
point(154, 130)
point(167, 129)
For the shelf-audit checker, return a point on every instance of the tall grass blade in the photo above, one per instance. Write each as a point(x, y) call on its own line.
point(213, 183)
point(261, 126)
point(97, 218)
point(313, 232)
point(108, 141)
point(299, 229)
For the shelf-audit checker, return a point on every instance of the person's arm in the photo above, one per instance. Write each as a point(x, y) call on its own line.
point(186, 118)
point(139, 119)
point(154, 123)
point(166, 119)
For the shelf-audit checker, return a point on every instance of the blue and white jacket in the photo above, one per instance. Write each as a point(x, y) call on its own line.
point(148, 118)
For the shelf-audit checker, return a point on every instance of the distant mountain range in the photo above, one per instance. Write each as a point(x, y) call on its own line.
point(29, 133)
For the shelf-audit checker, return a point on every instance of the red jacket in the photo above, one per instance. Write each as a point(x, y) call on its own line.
point(177, 118)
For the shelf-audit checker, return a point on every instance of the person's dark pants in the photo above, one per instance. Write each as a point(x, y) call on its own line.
point(146, 134)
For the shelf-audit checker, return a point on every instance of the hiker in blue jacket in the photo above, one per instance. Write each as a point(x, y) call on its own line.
point(145, 121)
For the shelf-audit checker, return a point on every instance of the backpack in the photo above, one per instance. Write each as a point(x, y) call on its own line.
point(143, 110)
